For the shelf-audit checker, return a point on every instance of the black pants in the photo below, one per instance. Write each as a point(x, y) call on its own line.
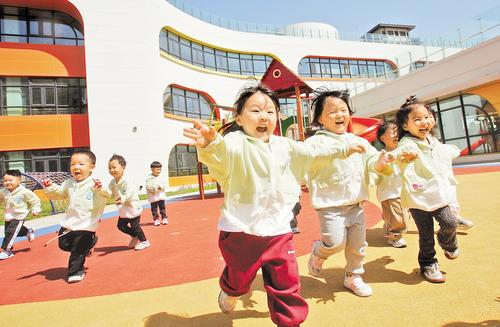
point(13, 229)
point(78, 242)
point(132, 227)
point(154, 209)
point(447, 234)
point(295, 210)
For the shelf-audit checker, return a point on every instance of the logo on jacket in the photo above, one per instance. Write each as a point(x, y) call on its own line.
point(89, 195)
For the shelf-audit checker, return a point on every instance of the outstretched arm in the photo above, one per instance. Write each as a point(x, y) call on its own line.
point(200, 134)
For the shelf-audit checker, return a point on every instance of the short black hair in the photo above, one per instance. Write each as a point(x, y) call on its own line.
point(382, 129)
point(13, 172)
point(88, 153)
point(155, 164)
point(121, 160)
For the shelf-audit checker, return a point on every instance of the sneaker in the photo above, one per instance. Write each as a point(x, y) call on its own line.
point(432, 274)
point(295, 230)
point(133, 242)
point(76, 277)
point(30, 235)
point(315, 263)
point(399, 243)
point(356, 284)
point(227, 303)
point(164, 221)
point(92, 246)
point(157, 222)
point(464, 224)
point(6, 255)
point(142, 245)
point(451, 254)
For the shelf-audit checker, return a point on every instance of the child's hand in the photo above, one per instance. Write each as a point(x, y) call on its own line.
point(118, 201)
point(355, 148)
point(383, 160)
point(97, 184)
point(200, 134)
point(47, 182)
point(407, 156)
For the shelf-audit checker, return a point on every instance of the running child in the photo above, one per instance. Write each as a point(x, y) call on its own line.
point(87, 200)
point(338, 191)
point(389, 192)
point(18, 201)
point(427, 185)
point(259, 174)
point(127, 200)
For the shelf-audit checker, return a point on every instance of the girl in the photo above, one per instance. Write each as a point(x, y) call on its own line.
point(259, 174)
point(427, 185)
point(127, 200)
point(389, 192)
point(338, 191)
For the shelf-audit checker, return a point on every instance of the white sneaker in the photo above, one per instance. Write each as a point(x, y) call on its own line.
point(164, 221)
point(30, 235)
point(157, 222)
point(464, 224)
point(227, 303)
point(315, 263)
point(133, 242)
point(399, 243)
point(76, 277)
point(433, 274)
point(356, 284)
point(6, 255)
point(451, 254)
point(142, 245)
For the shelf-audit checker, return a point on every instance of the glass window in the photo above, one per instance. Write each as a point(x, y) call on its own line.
point(353, 67)
point(209, 57)
point(335, 68)
point(185, 50)
point(344, 65)
point(453, 125)
point(234, 65)
point(197, 54)
point(259, 67)
point(163, 40)
point(174, 45)
point(221, 61)
point(246, 66)
point(325, 68)
point(304, 68)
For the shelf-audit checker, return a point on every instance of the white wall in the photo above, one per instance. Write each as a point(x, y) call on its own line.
point(126, 76)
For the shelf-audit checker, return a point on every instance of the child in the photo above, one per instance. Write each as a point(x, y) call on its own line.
point(126, 198)
point(155, 187)
point(259, 174)
point(338, 191)
point(18, 201)
point(389, 192)
point(87, 200)
point(427, 185)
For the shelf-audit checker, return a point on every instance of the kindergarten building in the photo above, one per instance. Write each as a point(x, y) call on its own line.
point(126, 77)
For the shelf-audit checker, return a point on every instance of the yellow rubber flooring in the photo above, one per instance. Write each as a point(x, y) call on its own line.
point(470, 297)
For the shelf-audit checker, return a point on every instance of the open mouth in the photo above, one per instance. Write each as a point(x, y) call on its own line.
point(339, 122)
point(423, 130)
point(261, 129)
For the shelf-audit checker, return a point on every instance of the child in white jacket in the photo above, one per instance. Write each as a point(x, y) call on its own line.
point(127, 200)
point(87, 200)
point(18, 201)
point(155, 188)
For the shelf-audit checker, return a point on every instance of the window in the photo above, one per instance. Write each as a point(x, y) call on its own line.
point(211, 58)
point(36, 96)
point(183, 161)
point(186, 103)
point(26, 25)
point(345, 68)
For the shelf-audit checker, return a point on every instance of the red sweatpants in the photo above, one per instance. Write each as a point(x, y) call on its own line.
point(245, 254)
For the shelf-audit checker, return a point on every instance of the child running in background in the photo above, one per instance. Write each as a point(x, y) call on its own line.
point(338, 191)
point(87, 200)
point(127, 200)
point(389, 192)
point(155, 187)
point(462, 223)
point(259, 174)
point(18, 202)
point(427, 185)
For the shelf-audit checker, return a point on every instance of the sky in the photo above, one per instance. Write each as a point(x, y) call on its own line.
point(432, 18)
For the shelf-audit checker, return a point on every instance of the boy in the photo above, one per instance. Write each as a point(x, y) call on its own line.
point(87, 200)
point(126, 198)
point(18, 201)
point(155, 187)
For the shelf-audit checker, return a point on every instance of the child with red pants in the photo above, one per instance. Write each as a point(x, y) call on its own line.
point(259, 174)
